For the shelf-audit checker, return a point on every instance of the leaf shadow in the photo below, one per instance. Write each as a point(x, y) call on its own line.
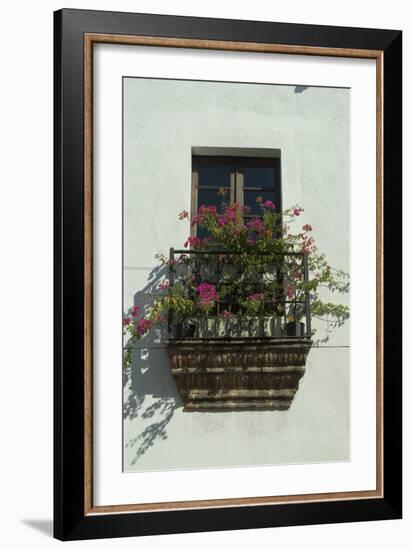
point(150, 395)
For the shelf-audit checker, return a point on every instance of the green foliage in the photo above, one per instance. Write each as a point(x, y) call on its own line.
point(264, 258)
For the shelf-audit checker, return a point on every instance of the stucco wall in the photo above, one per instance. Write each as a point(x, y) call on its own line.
point(163, 121)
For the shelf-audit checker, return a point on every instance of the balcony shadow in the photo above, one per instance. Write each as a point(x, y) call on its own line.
point(149, 390)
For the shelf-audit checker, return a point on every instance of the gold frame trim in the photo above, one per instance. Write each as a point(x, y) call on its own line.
point(89, 40)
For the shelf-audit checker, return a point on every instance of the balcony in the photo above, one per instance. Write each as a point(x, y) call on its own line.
point(248, 350)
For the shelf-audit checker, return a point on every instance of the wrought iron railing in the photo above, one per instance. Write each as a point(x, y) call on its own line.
point(235, 277)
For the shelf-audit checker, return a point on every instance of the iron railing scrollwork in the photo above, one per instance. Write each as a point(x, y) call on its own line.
point(279, 281)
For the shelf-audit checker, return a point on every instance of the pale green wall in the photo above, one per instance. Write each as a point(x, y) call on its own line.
point(163, 120)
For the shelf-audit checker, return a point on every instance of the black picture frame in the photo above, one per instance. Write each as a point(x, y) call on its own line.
point(70, 520)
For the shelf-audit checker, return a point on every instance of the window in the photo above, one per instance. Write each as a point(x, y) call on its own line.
point(243, 178)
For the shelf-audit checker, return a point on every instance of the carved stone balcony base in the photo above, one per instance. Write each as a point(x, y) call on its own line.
point(218, 374)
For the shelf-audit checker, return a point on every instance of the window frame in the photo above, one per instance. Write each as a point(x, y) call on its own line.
point(237, 188)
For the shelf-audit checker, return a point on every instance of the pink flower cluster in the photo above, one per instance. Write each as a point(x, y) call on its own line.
point(133, 313)
point(297, 274)
point(231, 213)
point(207, 294)
point(163, 285)
point(193, 241)
point(230, 224)
point(290, 291)
point(308, 245)
point(222, 220)
point(227, 314)
point(265, 204)
point(143, 326)
point(183, 214)
point(204, 210)
point(256, 297)
point(231, 216)
point(196, 241)
point(199, 218)
point(256, 224)
point(211, 209)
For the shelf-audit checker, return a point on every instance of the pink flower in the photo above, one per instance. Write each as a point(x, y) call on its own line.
point(126, 321)
point(269, 204)
point(194, 241)
point(135, 311)
point(227, 314)
point(297, 274)
point(256, 225)
point(231, 213)
point(211, 209)
point(290, 291)
point(297, 211)
point(222, 221)
point(307, 227)
point(143, 326)
point(207, 293)
point(163, 285)
point(307, 245)
point(197, 219)
point(256, 297)
point(204, 287)
point(183, 214)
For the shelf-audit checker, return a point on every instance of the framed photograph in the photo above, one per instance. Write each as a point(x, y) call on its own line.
point(227, 274)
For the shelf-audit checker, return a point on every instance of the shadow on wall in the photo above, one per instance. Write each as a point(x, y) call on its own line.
point(300, 89)
point(149, 390)
point(150, 395)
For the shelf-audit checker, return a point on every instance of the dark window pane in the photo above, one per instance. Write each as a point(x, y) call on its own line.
point(215, 176)
point(262, 177)
point(209, 197)
point(250, 200)
point(201, 232)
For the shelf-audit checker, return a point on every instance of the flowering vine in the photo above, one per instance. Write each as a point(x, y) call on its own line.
point(268, 258)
